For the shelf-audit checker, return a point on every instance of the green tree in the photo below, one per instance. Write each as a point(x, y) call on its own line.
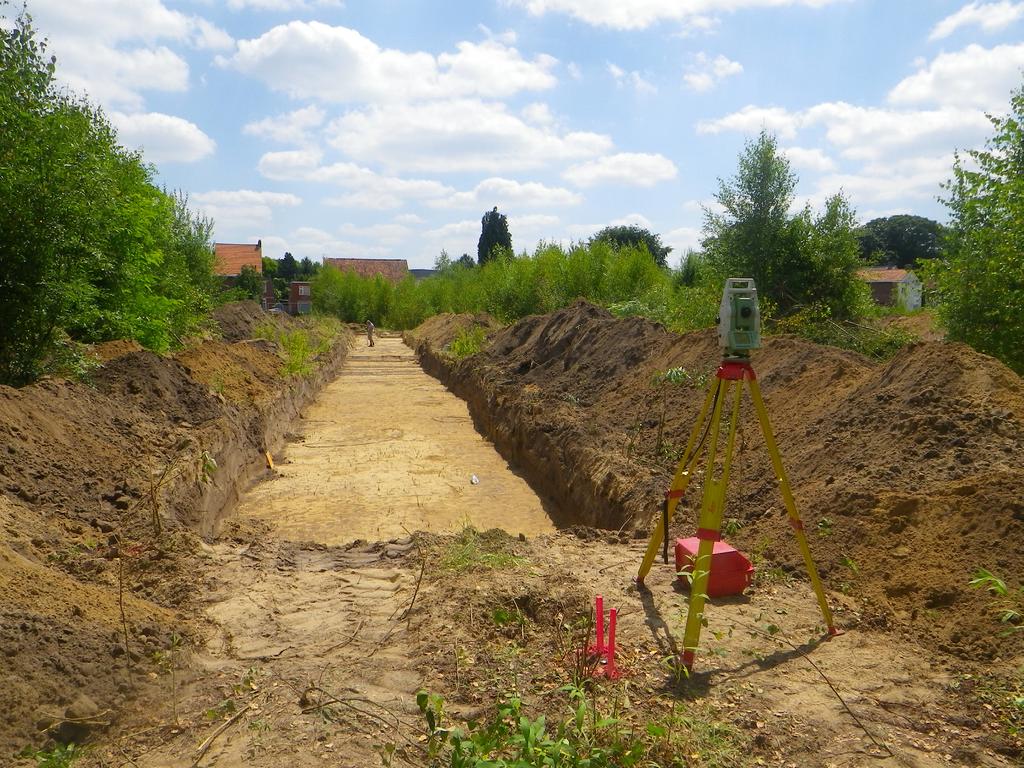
point(632, 236)
point(980, 277)
point(287, 267)
point(797, 261)
point(493, 234)
point(900, 241)
point(467, 261)
point(91, 249)
point(250, 282)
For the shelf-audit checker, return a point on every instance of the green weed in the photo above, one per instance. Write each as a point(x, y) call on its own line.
point(468, 342)
point(61, 756)
point(1009, 604)
point(470, 551)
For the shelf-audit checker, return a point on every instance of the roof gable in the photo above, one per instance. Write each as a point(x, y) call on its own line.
point(231, 257)
point(394, 270)
point(886, 275)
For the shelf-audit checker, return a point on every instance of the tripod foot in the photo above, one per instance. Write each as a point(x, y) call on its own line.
point(834, 632)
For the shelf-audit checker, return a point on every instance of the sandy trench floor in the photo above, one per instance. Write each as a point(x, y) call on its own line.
point(387, 450)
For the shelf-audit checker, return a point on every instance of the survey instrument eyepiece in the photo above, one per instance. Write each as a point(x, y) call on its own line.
point(739, 321)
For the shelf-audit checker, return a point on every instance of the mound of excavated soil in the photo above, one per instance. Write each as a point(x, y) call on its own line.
point(155, 384)
point(239, 320)
point(86, 470)
point(441, 330)
point(909, 474)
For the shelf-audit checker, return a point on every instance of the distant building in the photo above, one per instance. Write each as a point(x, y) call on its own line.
point(394, 270)
point(300, 298)
point(269, 297)
point(423, 274)
point(231, 257)
point(892, 287)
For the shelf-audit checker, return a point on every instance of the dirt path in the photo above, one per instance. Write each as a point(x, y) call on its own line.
point(387, 450)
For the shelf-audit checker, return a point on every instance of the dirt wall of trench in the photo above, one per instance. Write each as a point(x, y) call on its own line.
point(87, 469)
point(909, 474)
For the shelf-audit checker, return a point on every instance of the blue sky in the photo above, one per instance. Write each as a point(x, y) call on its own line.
point(385, 129)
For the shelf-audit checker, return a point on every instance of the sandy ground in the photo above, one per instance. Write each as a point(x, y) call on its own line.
point(387, 450)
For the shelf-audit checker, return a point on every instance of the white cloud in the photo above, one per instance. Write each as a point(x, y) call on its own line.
point(314, 243)
point(584, 231)
point(538, 113)
point(111, 51)
point(811, 159)
point(574, 71)
point(863, 133)
point(282, 5)
point(390, 234)
point(162, 138)
point(317, 61)
point(409, 219)
point(626, 168)
point(751, 119)
point(242, 209)
point(367, 189)
point(633, 79)
point(116, 78)
point(291, 128)
point(705, 73)
point(891, 182)
point(640, 15)
point(974, 77)
point(681, 239)
point(991, 17)
point(507, 193)
point(453, 136)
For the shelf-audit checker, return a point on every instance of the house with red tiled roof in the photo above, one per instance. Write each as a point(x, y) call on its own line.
point(893, 287)
point(231, 257)
point(394, 270)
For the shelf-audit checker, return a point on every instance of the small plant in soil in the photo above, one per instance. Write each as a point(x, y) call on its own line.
point(1009, 605)
point(61, 756)
point(470, 551)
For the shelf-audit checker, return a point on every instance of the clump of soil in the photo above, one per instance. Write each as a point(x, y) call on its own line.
point(908, 473)
point(244, 372)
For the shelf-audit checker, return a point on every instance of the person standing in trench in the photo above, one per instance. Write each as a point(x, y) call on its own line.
point(369, 331)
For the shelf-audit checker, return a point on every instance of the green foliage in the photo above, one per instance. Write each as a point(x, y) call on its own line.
point(815, 324)
point(249, 283)
point(61, 756)
point(467, 342)
point(1009, 603)
point(513, 740)
point(471, 550)
point(91, 248)
point(980, 278)
point(796, 260)
point(300, 346)
point(494, 236)
point(632, 236)
point(900, 241)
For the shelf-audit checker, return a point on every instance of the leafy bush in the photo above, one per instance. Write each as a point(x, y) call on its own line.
point(468, 342)
point(91, 248)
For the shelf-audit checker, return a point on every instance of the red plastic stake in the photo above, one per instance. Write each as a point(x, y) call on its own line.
point(600, 626)
point(611, 671)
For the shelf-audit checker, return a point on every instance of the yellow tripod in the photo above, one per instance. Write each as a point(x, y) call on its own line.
point(732, 374)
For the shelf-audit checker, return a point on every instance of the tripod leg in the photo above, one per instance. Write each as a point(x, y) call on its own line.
point(684, 471)
point(787, 498)
point(710, 524)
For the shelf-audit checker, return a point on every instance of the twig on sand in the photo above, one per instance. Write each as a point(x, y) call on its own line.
point(223, 727)
point(783, 639)
point(343, 643)
point(419, 580)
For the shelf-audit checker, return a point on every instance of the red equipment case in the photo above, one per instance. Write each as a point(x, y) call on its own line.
point(731, 571)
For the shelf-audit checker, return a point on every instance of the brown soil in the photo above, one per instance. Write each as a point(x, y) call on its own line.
point(88, 471)
point(908, 474)
point(302, 650)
